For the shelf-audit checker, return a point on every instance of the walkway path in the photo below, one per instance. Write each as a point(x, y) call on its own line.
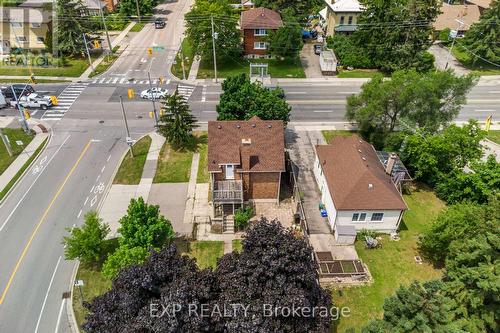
point(442, 56)
point(193, 72)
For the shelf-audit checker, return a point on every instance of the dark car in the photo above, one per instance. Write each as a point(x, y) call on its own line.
point(318, 48)
point(19, 89)
point(159, 23)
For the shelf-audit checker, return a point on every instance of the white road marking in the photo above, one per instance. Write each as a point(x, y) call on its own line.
point(109, 157)
point(59, 316)
point(47, 295)
point(93, 201)
point(79, 214)
point(209, 111)
point(122, 79)
point(102, 80)
point(204, 93)
point(97, 179)
point(296, 92)
point(92, 189)
point(102, 170)
point(87, 199)
point(323, 111)
point(484, 110)
point(32, 184)
point(115, 80)
point(494, 92)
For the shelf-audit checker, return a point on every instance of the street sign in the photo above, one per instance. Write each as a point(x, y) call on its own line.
point(129, 141)
point(19, 142)
point(150, 51)
point(158, 48)
point(453, 33)
point(79, 283)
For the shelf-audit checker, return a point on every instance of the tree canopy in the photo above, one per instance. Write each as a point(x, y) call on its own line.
point(177, 122)
point(483, 36)
point(409, 99)
point(199, 28)
point(129, 7)
point(242, 99)
point(71, 27)
point(285, 42)
point(274, 267)
point(301, 8)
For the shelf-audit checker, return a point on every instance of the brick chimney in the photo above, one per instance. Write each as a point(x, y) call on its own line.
point(390, 163)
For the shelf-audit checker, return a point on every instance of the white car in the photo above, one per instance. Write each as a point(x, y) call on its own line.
point(155, 93)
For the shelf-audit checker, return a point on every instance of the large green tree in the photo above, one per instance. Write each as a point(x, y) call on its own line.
point(72, 24)
point(394, 34)
point(199, 28)
point(285, 42)
point(86, 243)
point(420, 307)
point(408, 100)
point(300, 8)
point(177, 122)
point(242, 99)
point(483, 37)
point(129, 7)
point(142, 229)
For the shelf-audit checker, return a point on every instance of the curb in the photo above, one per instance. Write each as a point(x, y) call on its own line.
point(47, 141)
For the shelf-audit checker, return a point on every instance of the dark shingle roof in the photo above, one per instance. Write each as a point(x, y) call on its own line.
point(260, 18)
point(256, 145)
point(350, 165)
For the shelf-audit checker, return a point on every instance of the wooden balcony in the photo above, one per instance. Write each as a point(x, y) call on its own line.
point(228, 191)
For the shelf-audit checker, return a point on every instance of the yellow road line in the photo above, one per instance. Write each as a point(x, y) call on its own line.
point(44, 216)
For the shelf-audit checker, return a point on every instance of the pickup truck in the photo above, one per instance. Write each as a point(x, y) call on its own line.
point(34, 101)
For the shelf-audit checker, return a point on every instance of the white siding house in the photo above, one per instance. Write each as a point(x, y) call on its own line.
point(355, 188)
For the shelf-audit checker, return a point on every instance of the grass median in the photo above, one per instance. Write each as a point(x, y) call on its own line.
point(21, 171)
point(14, 135)
point(130, 171)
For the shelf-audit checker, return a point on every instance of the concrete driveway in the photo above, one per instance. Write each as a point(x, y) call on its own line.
point(441, 55)
point(310, 61)
point(171, 197)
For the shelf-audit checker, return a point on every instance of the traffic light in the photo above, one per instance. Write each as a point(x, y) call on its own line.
point(131, 93)
point(97, 44)
point(151, 115)
point(54, 100)
point(27, 114)
point(32, 79)
point(150, 51)
point(162, 80)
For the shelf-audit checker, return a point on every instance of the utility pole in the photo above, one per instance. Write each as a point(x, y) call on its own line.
point(6, 143)
point(106, 29)
point(24, 123)
point(129, 139)
point(460, 23)
point(182, 63)
point(214, 37)
point(138, 12)
point(88, 52)
point(155, 115)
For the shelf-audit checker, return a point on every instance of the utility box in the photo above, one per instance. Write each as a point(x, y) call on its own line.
point(328, 62)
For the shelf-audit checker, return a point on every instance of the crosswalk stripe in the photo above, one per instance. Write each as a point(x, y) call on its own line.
point(102, 80)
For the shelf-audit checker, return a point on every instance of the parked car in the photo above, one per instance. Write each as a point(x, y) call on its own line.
point(155, 93)
point(318, 48)
point(159, 23)
point(3, 102)
point(34, 101)
point(19, 89)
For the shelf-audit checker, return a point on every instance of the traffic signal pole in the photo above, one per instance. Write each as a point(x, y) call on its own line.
point(129, 139)
point(88, 52)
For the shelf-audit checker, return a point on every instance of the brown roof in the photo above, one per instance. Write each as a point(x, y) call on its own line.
point(256, 145)
point(260, 18)
point(469, 14)
point(350, 172)
point(480, 3)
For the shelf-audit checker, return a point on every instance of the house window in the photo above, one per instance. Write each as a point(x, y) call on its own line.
point(229, 171)
point(350, 20)
point(359, 217)
point(259, 46)
point(40, 40)
point(21, 39)
point(36, 25)
point(260, 32)
point(377, 216)
point(16, 24)
point(341, 20)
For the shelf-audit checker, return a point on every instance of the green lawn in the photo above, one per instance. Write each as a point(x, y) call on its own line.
point(392, 265)
point(237, 245)
point(288, 68)
point(14, 134)
point(74, 67)
point(494, 136)
point(358, 73)
point(188, 54)
point(328, 135)
point(173, 166)
point(203, 176)
point(137, 27)
point(206, 252)
point(130, 170)
point(480, 67)
point(104, 65)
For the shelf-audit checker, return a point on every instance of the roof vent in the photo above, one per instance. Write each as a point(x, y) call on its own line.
point(253, 125)
point(370, 186)
point(219, 126)
point(246, 141)
point(269, 126)
point(360, 141)
point(359, 150)
point(238, 126)
point(363, 158)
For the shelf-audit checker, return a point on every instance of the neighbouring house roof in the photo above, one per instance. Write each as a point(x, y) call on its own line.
point(323, 13)
point(480, 3)
point(345, 6)
point(469, 14)
point(356, 178)
point(35, 3)
point(256, 145)
point(25, 15)
point(260, 18)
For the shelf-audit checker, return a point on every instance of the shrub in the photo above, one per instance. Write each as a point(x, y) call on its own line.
point(242, 217)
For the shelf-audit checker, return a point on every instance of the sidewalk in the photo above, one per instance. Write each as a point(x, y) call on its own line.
point(193, 72)
point(19, 162)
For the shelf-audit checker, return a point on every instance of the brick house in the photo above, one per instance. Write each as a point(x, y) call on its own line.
point(245, 161)
point(256, 24)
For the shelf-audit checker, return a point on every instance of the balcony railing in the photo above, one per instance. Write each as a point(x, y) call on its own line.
point(228, 191)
